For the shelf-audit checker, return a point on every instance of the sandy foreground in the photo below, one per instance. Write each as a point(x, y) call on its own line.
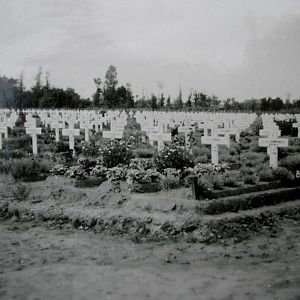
point(42, 262)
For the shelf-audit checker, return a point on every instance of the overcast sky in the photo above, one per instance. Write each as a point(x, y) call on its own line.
point(232, 48)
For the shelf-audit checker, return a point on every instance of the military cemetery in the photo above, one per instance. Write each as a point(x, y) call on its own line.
point(150, 149)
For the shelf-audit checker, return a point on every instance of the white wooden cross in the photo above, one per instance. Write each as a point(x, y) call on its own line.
point(57, 125)
point(273, 143)
point(86, 126)
point(187, 131)
point(214, 140)
point(33, 131)
point(160, 137)
point(71, 132)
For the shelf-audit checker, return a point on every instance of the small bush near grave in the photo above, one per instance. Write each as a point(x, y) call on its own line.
point(218, 182)
point(116, 174)
point(58, 170)
point(5, 166)
point(251, 179)
point(256, 126)
point(98, 171)
point(89, 149)
point(143, 176)
point(12, 154)
point(253, 159)
point(232, 178)
point(23, 142)
point(26, 168)
point(204, 183)
point(266, 174)
point(173, 156)
point(60, 146)
point(20, 192)
point(283, 174)
point(141, 163)
point(291, 162)
point(171, 179)
point(77, 172)
point(114, 154)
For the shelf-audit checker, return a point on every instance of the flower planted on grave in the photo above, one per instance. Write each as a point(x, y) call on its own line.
point(172, 178)
point(141, 163)
point(77, 172)
point(115, 153)
point(117, 173)
point(58, 170)
point(173, 156)
point(144, 180)
point(204, 178)
point(87, 163)
point(99, 171)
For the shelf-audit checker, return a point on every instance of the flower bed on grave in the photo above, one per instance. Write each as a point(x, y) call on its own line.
point(144, 181)
point(209, 182)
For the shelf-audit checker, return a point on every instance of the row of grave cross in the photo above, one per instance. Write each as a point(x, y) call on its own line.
point(217, 127)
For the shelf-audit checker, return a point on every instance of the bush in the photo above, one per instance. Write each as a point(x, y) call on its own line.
point(98, 171)
point(283, 174)
point(251, 179)
point(23, 142)
point(77, 172)
point(170, 182)
point(12, 154)
point(266, 174)
point(60, 147)
point(114, 154)
point(5, 166)
point(143, 176)
point(291, 162)
point(58, 170)
point(22, 168)
point(253, 159)
point(175, 157)
point(256, 126)
point(218, 182)
point(204, 183)
point(20, 192)
point(141, 163)
point(116, 174)
point(232, 178)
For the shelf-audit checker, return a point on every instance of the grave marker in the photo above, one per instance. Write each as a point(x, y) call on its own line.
point(273, 144)
point(214, 141)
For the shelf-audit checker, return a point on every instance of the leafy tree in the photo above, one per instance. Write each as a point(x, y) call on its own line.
point(161, 102)
point(111, 78)
point(153, 102)
point(98, 99)
point(188, 103)
point(178, 104)
point(168, 104)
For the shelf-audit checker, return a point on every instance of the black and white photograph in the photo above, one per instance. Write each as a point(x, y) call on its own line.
point(150, 149)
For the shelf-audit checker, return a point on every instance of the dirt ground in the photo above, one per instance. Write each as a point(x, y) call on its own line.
point(47, 263)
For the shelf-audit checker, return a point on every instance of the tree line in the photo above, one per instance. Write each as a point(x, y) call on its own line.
point(109, 95)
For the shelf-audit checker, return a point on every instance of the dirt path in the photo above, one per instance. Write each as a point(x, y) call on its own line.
point(43, 263)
